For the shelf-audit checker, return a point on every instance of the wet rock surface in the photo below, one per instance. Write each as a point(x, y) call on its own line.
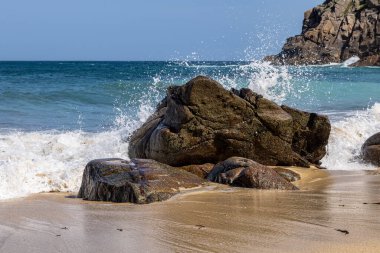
point(201, 122)
point(201, 170)
point(138, 181)
point(289, 175)
point(334, 32)
point(371, 150)
point(242, 172)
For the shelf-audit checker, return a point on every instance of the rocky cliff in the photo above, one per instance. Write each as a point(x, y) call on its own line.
point(334, 32)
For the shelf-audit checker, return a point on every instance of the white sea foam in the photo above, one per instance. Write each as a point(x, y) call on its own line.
point(345, 64)
point(331, 64)
point(350, 61)
point(273, 82)
point(51, 161)
point(33, 162)
point(200, 66)
point(347, 137)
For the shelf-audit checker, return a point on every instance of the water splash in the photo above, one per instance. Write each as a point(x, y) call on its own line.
point(146, 104)
point(347, 137)
point(149, 100)
point(33, 162)
point(272, 82)
point(51, 161)
point(350, 61)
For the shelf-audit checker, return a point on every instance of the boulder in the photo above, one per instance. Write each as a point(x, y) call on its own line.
point(242, 172)
point(201, 122)
point(201, 170)
point(334, 32)
point(138, 181)
point(371, 150)
point(310, 134)
point(289, 175)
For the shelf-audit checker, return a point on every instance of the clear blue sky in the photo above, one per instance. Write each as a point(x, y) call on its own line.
point(147, 29)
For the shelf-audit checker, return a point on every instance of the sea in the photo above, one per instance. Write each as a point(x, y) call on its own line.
point(57, 116)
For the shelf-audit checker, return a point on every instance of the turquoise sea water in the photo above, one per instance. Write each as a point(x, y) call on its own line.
point(56, 116)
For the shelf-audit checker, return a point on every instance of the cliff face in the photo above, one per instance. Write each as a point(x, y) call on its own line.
point(333, 32)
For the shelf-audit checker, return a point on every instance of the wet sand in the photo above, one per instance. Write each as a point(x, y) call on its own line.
point(218, 220)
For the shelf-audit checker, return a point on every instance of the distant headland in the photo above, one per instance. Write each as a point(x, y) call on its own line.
point(334, 32)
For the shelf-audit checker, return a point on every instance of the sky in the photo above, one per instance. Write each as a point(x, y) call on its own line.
point(122, 30)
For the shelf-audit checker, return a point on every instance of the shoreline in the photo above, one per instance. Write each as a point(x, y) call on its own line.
point(204, 220)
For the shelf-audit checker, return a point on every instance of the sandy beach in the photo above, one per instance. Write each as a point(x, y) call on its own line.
point(171, 126)
point(209, 220)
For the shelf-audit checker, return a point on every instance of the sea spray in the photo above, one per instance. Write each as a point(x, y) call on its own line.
point(149, 100)
point(350, 61)
point(44, 161)
point(32, 162)
point(272, 82)
point(56, 118)
point(347, 137)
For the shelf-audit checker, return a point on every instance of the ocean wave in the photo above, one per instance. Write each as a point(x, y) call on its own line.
point(36, 161)
point(44, 161)
point(212, 66)
point(350, 61)
point(347, 63)
point(347, 137)
point(206, 64)
point(52, 161)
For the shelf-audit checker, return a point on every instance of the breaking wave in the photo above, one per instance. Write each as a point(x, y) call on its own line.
point(32, 162)
point(43, 161)
point(347, 137)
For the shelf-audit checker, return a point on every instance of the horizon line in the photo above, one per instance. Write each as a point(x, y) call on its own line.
point(126, 60)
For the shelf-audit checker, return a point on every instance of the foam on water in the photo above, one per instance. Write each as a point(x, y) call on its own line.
point(350, 61)
point(347, 137)
point(347, 63)
point(51, 161)
point(32, 162)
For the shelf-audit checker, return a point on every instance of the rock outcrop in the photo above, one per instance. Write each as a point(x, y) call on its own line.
point(334, 32)
point(242, 172)
point(201, 122)
point(138, 181)
point(371, 150)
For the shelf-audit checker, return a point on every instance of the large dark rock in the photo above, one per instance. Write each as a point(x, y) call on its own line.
point(242, 172)
point(371, 150)
point(310, 134)
point(201, 170)
point(334, 32)
point(201, 122)
point(139, 181)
